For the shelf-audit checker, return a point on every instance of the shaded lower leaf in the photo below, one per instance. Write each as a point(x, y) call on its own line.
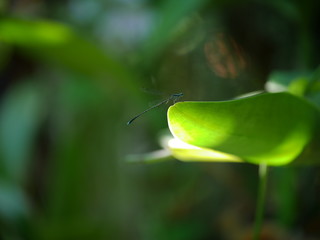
point(187, 152)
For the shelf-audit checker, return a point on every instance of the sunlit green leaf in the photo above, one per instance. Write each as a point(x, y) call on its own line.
point(271, 128)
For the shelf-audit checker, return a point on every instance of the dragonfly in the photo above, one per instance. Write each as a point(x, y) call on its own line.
point(174, 97)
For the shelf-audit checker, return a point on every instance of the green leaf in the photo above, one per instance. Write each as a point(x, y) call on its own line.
point(188, 153)
point(293, 82)
point(59, 45)
point(21, 114)
point(13, 202)
point(271, 128)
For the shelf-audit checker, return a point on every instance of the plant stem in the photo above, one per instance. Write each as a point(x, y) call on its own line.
point(263, 171)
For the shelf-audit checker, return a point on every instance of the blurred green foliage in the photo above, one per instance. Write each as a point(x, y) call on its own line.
point(71, 77)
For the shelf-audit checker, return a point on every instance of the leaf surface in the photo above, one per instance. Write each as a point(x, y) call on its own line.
point(273, 128)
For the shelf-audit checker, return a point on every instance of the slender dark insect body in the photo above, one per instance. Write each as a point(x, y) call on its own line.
point(174, 97)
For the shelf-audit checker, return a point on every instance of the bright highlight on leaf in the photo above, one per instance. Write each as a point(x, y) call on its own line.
point(187, 152)
point(271, 128)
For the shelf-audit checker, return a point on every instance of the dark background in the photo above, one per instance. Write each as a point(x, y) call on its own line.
point(72, 73)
